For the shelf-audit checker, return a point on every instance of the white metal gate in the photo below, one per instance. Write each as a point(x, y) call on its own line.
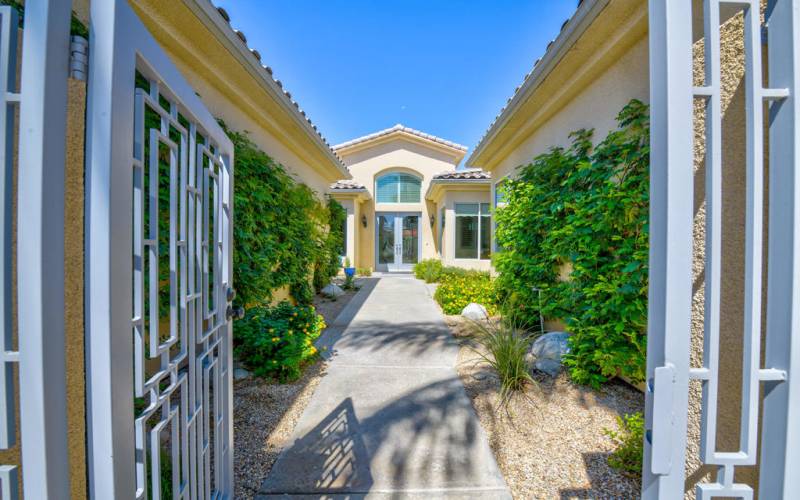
point(668, 369)
point(158, 263)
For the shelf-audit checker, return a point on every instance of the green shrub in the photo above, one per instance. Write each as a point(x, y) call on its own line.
point(428, 270)
point(584, 210)
point(629, 441)
point(456, 291)
point(364, 271)
point(460, 272)
point(504, 346)
point(276, 341)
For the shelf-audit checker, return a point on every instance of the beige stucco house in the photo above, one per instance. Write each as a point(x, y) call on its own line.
point(407, 202)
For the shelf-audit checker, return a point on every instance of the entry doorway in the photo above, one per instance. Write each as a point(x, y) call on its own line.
point(397, 241)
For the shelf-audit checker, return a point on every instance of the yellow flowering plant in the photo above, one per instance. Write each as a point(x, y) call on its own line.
point(268, 343)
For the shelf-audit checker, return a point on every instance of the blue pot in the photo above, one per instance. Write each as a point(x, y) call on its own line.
point(349, 271)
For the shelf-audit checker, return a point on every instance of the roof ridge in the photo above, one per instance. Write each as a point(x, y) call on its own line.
point(400, 128)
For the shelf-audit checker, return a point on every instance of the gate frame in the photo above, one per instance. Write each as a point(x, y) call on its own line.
point(671, 224)
point(118, 38)
point(40, 244)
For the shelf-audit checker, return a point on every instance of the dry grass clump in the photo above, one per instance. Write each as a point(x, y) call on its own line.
point(550, 443)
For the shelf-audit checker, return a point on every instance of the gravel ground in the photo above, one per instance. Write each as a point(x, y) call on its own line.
point(265, 412)
point(549, 443)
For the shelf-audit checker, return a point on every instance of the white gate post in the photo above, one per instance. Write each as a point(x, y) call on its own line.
point(780, 440)
point(671, 215)
point(109, 344)
point(40, 249)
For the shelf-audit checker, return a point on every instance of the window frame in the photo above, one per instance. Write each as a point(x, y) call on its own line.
point(399, 176)
point(479, 215)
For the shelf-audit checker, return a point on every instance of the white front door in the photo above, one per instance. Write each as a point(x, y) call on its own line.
point(397, 240)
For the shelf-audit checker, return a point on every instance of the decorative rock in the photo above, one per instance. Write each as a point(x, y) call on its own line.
point(546, 352)
point(475, 312)
point(332, 290)
point(241, 373)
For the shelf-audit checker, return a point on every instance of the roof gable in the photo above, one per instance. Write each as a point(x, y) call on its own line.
point(399, 132)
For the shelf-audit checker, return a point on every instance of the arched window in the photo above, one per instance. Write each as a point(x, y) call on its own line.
point(397, 188)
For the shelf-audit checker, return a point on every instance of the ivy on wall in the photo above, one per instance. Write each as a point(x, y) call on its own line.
point(280, 232)
point(329, 263)
point(576, 227)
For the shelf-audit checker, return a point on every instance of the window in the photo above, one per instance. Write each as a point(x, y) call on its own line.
point(398, 188)
point(473, 231)
point(499, 194)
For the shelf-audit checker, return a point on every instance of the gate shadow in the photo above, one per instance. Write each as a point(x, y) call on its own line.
point(426, 436)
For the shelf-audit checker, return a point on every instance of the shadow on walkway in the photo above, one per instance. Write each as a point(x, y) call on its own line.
point(425, 437)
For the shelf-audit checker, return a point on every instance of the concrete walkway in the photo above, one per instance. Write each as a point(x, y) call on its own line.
point(391, 418)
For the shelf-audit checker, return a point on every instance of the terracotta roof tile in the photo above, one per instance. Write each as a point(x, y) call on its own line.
point(400, 128)
point(463, 174)
point(347, 184)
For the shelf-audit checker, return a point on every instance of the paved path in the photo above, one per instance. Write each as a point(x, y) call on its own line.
point(391, 418)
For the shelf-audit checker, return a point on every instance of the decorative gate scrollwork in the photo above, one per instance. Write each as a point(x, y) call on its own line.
point(771, 381)
point(169, 180)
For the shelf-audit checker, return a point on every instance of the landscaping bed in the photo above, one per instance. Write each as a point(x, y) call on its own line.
point(549, 442)
point(265, 411)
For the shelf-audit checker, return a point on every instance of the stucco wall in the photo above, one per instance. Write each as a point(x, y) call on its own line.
point(596, 107)
point(398, 155)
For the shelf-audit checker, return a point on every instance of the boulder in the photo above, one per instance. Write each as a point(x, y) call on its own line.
point(546, 352)
point(475, 312)
point(332, 290)
point(240, 373)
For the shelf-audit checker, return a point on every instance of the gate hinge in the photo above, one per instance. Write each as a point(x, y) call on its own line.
point(78, 58)
point(662, 389)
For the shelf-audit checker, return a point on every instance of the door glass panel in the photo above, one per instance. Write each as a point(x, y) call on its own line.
point(385, 239)
point(410, 239)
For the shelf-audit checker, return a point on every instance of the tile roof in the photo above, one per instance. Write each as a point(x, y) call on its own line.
point(400, 128)
point(463, 174)
point(288, 96)
point(347, 184)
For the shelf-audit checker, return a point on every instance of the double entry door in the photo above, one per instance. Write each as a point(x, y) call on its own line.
point(397, 241)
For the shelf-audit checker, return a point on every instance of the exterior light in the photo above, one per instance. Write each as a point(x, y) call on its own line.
point(433, 220)
point(364, 220)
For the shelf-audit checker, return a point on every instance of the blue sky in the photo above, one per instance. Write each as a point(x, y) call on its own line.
point(359, 66)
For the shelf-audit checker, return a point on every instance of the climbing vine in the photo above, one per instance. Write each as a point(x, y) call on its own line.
point(576, 227)
point(280, 232)
point(329, 262)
